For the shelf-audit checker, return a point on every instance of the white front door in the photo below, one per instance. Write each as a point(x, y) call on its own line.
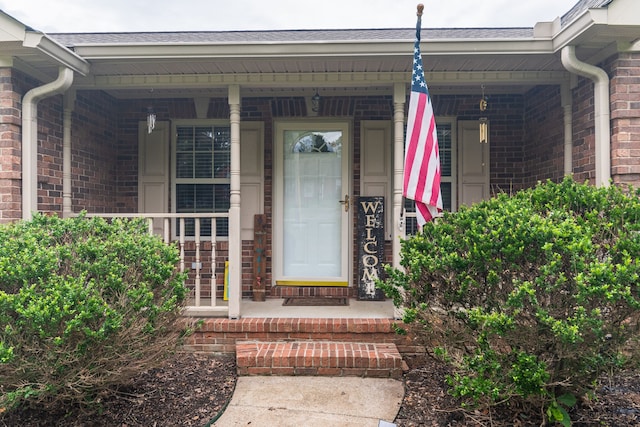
point(312, 206)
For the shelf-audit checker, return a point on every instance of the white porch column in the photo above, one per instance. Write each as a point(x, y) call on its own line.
point(235, 240)
point(399, 98)
point(567, 110)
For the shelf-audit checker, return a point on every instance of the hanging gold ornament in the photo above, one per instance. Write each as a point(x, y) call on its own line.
point(484, 128)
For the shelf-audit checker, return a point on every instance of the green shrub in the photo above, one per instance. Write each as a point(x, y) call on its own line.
point(84, 305)
point(528, 298)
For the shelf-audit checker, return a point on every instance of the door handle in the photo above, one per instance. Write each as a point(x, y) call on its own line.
point(345, 202)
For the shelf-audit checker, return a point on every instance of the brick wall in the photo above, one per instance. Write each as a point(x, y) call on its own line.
point(624, 71)
point(506, 126)
point(94, 152)
point(92, 170)
point(50, 154)
point(583, 132)
point(12, 86)
point(543, 135)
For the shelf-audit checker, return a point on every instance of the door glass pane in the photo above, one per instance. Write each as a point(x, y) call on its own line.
point(312, 212)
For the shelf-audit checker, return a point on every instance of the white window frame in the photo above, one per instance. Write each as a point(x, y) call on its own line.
point(173, 158)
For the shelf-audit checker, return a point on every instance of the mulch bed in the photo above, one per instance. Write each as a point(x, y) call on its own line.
point(192, 390)
point(189, 390)
point(427, 403)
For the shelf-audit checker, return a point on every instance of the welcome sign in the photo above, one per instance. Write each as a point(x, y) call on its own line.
point(370, 247)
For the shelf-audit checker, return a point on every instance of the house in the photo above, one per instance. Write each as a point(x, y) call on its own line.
point(207, 134)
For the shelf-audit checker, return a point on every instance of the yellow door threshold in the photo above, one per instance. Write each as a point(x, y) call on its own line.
point(312, 283)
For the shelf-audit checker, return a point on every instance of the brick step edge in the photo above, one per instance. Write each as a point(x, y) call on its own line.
point(318, 358)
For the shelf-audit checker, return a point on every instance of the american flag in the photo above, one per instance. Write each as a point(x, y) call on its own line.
point(421, 159)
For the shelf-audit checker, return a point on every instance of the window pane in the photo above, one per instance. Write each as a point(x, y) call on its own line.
point(185, 198)
point(203, 153)
point(184, 139)
point(221, 197)
point(222, 204)
point(203, 198)
point(222, 164)
point(410, 223)
point(203, 166)
point(203, 139)
point(184, 165)
point(222, 138)
point(411, 226)
point(444, 147)
point(445, 191)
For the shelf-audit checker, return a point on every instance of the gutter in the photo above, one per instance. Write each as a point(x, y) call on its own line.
point(601, 111)
point(52, 49)
point(30, 137)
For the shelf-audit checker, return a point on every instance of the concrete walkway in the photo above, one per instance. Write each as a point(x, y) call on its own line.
point(313, 401)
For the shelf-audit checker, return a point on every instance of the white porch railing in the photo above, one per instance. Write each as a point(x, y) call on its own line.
point(161, 224)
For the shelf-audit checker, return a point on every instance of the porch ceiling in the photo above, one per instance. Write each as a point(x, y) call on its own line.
point(333, 75)
point(302, 64)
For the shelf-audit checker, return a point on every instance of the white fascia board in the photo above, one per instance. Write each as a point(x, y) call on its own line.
point(62, 55)
point(312, 49)
point(570, 33)
point(11, 29)
point(624, 12)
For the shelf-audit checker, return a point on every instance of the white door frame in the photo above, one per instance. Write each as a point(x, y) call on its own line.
point(280, 126)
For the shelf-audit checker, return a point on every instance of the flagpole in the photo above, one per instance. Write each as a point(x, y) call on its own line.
point(419, 23)
point(422, 159)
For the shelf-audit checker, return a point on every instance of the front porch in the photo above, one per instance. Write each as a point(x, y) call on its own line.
point(205, 257)
point(273, 308)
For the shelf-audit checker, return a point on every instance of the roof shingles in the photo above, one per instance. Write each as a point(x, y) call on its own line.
point(288, 36)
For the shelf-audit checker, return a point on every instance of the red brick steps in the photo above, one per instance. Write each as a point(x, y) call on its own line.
point(323, 358)
point(219, 335)
point(307, 346)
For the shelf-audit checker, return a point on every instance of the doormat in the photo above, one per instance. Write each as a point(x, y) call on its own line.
point(315, 301)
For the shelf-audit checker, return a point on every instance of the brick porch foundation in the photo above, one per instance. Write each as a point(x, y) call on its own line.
point(307, 346)
point(219, 335)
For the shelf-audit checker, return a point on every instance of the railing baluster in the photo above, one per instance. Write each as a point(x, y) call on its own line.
point(197, 240)
point(182, 244)
point(167, 231)
point(172, 233)
point(214, 293)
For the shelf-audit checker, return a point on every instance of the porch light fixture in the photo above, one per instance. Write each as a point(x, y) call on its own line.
point(315, 102)
point(151, 119)
point(484, 133)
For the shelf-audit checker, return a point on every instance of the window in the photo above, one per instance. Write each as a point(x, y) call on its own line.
point(447, 175)
point(201, 167)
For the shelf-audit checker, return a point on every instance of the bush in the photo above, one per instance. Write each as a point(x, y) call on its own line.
point(84, 305)
point(528, 298)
